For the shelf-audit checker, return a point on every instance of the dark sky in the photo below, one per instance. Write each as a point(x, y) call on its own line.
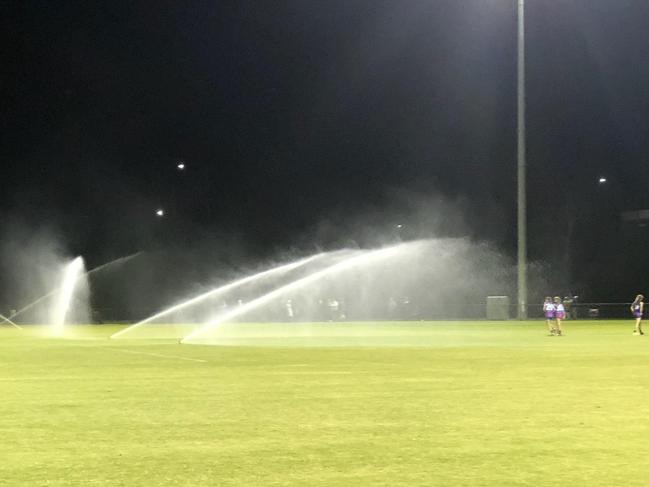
point(298, 117)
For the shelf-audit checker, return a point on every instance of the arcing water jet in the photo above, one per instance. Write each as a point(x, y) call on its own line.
point(7, 320)
point(112, 263)
point(223, 289)
point(357, 260)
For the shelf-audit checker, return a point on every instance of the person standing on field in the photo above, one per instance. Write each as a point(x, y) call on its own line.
point(559, 314)
point(548, 311)
point(637, 308)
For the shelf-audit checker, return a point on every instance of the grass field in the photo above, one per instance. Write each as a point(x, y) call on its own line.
point(418, 404)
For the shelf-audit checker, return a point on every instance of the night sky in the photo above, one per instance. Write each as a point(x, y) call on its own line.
point(305, 123)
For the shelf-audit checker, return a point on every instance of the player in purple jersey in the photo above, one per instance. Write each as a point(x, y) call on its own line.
point(559, 314)
point(637, 307)
point(548, 311)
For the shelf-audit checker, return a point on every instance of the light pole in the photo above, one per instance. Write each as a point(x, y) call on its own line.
point(522, 195)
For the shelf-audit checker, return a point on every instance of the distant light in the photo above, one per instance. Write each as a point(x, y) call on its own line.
point(399, 225)
point(602, 180)
point(160, 212)
point(181, 166)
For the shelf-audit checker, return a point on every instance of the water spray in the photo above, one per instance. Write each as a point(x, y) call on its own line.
point(29, 306)
point(349, 262)
point(7, 320)
point(70, 276)
point(220, 290)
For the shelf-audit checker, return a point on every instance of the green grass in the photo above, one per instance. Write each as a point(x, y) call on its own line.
point(462, 404)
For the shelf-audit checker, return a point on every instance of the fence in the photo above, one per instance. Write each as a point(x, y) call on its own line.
point(590, 311)
point(413, 312)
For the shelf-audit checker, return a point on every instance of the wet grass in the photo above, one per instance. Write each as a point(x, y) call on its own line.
point(462, 404)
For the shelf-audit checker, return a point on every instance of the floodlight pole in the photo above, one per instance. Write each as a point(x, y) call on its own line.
point(522, 196)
